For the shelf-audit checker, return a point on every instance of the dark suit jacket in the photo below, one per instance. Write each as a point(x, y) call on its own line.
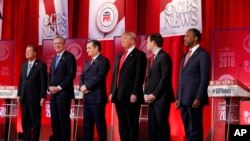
point(63, 76)
point(94, 77)
point(132, 76)
point(194, 78)
point(159, 78)
point(32, 88)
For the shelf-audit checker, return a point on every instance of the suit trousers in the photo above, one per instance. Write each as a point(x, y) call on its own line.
point(94, 114)
point(60, 112)
point(192, 120)
point(128, 116)
point(31, 121)
point(158, 121)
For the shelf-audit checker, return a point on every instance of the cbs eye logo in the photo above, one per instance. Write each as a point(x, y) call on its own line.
point(246, 43)
point(4, 52)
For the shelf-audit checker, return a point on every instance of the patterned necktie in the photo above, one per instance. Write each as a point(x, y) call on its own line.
point(57, 60)
point(29, 68)
point(187, 57)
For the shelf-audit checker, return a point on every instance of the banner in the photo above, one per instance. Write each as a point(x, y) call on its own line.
point(231, 51)
point(177, 16)
point(106, 18)
point(1, 18)
point(53, 19)
point(6, 63)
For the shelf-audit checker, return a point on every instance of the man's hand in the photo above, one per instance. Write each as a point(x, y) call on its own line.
point(84, 89)
point(54, 89)
point(146, 98)
point(42, 101)
point(110, 96)
point(18, 100)
point(133, 98)
point(177, 104)
point(196, 103)
point(149, 98)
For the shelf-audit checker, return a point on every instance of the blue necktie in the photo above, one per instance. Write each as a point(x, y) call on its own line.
point(29, 68)
point(57, 60)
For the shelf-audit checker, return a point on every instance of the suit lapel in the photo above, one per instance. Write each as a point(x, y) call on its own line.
point(32, 68)
point(26, 68)
point(155, 60)
point(60, 61)
point(88, 66)
point(192, 57)
point(129, 57)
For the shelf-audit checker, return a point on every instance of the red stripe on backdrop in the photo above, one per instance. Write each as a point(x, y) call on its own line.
point(120, 7)
point(49, 7)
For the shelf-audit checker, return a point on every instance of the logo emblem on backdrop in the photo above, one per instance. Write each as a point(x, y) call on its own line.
point(246, 43)
point(4, 52)
point(75, 49)
point(246, 115)
point(107, 17)
point(226, 77)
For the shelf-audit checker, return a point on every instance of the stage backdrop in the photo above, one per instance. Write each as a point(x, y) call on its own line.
point(231, 50)
point(231, 53)
point(6, 62)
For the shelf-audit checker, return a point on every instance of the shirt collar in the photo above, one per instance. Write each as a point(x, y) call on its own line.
point(130, 49)
point(61, 53)
point(32, 62)
point(193, 49)
point(95, 56)
point(156, 51)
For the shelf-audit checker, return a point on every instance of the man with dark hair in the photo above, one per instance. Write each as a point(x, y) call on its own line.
point(158, 92)
point(61, 89)
point(93, 87)
point(126, 88)
point(193, 83)
point(32, 93)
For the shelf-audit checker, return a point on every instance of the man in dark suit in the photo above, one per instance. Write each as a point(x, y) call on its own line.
point(126, 89)
point(158, 90)
point(61, 89)
point(193, 83)
point(31, 93)
point(93, 86)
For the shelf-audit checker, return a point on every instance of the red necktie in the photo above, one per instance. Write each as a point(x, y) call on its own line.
point(121, 63)
point(187, 58)
point(152, 60)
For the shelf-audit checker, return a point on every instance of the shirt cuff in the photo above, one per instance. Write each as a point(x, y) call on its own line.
point(59, 87)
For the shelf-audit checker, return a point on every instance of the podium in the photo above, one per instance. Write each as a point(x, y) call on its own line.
point(8, 113)
point(226, 96)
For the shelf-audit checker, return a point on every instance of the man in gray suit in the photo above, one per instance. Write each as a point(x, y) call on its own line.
point(193, 83)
